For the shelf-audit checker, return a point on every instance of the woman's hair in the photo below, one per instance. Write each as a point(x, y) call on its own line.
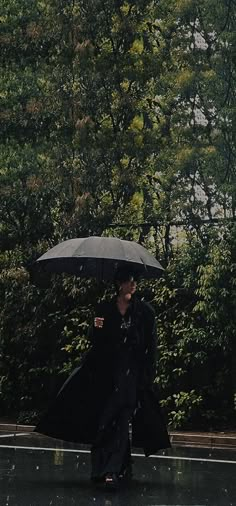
point(124, 273)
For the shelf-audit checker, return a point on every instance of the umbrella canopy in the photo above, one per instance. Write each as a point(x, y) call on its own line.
point(98, 257)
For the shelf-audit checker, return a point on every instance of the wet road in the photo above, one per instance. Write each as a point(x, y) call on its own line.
point(36, 471)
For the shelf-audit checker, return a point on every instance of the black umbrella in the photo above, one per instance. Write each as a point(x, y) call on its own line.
point(98, 257)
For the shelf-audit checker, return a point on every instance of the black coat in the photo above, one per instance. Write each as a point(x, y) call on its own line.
point(75, 413)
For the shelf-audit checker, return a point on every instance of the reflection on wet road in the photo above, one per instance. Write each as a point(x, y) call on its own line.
point(32, 476)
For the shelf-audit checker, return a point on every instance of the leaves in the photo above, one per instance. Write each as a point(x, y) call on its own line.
point(120, 123)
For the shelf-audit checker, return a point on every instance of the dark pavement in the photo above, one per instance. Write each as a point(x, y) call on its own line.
point(39, 471)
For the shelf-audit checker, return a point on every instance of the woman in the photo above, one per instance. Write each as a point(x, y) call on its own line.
point(113, 387)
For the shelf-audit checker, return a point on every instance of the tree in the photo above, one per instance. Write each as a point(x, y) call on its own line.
point(113, 136)
point(191, 107)
point(118, 123)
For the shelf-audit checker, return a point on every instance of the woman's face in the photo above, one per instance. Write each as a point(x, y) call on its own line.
point(128, 287)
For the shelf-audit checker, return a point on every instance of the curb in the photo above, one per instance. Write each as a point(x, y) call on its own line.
point(213, 440)
point(13, 427)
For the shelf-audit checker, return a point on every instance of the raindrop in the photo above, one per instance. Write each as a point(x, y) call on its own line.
point(154, 468)
point(37, 468)
point(127, 372)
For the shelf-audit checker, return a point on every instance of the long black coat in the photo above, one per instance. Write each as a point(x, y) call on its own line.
point(75, 413)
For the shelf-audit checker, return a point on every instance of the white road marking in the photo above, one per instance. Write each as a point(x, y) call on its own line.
point(170, 457)
point(197, 459)
point(16, 434)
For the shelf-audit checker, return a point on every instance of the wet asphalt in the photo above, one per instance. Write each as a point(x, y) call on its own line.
point(38, 471)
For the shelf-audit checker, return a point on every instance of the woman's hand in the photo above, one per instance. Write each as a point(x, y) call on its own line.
point(98, 322)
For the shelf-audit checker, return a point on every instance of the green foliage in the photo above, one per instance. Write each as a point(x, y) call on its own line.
point(109, 121)
point(195, 306)
point(182, 406)
point(48, 339)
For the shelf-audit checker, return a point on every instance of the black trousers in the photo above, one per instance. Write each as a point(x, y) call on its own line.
point(111, 451)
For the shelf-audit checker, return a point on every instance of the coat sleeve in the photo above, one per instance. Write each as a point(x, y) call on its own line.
point(148, 373)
